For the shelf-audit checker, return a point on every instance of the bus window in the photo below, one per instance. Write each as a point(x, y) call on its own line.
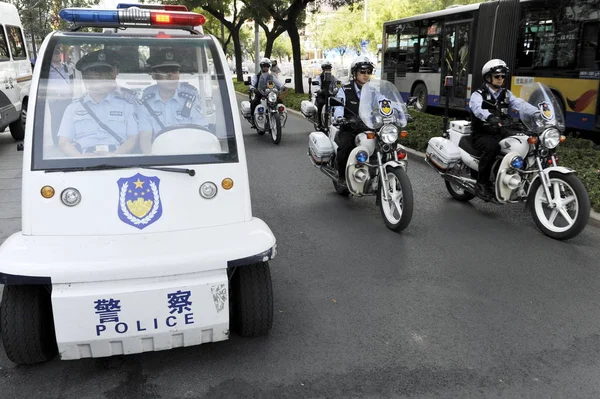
point(432, 55)
point(589, 56)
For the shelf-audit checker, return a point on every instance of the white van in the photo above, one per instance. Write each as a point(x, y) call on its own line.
point(15, 72)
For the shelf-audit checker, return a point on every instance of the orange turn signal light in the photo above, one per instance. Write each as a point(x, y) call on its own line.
point(532, 140)
point(47, 192)
point(563, 138)
point(404, 134)
point(370, 135)
point(227, 183)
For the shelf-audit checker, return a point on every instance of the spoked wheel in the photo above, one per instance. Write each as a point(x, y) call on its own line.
point(275, 128)
point(570, 214)
point(398, 209)
point(456, 190)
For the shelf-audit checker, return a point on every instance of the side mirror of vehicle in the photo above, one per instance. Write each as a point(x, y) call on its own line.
point(315, 83)
point(411, 101)
point(288, 80)
point(335, 101)
point(247, 83)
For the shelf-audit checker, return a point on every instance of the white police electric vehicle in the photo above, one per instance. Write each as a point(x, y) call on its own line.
point(133, 248)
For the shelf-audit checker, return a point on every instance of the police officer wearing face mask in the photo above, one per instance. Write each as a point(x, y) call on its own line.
point(169, 102)
point(104, 120)
point(489, 106)
point(361, 70)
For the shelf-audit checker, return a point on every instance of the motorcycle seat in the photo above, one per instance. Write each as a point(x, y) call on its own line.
point(466, 143)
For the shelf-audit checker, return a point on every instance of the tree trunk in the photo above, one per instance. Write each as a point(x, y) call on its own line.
point(292, 30)
point(235, 36)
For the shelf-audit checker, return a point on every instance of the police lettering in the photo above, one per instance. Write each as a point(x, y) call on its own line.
point(139, 326)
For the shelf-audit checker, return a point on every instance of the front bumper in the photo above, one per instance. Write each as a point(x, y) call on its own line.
point(81, 259)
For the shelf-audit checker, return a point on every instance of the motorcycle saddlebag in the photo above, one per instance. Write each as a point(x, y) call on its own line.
point(308, 108)
point(245, 108)
point(319, 147)
point(442, 152)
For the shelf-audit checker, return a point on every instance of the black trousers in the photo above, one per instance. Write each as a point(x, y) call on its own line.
point(489, 145)
point(345, 140)
point(321, 100)
point(255, 102)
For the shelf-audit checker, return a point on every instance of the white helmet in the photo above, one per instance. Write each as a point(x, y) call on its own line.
point(360, 63)
point(326, 64)
point(265, 61)
point(495, 65)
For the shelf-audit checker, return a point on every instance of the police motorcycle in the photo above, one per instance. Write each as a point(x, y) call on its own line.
point(377, 166)
point(270, 115)
point(124, 253)
point(526, 170)
point(309, 108)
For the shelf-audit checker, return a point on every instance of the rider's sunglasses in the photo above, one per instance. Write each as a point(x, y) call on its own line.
point(365, 71)
point(499, 76)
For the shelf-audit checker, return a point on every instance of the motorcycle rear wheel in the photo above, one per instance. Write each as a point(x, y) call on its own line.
point(397, 212)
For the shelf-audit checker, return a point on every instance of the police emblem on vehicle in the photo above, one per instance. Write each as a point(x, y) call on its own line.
point(139, 200)
point(270, 84)
point(385, 108)
point(546, 111)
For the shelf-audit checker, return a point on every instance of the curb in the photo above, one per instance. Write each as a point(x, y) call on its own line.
point(594, 216)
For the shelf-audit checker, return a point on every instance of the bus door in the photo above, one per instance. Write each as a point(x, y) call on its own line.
point(456, 63)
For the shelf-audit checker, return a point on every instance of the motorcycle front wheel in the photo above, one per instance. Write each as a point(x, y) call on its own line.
point(397, 211)
point(572, 211)
point(275, 128)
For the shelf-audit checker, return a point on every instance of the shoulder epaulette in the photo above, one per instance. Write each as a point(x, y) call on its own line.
point(148, 96)
point(126, 94)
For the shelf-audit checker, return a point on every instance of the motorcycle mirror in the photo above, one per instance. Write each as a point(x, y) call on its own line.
point(247, 82)
point(315, 83)
point(288, 80)
point(411, 101)
point(335, 101)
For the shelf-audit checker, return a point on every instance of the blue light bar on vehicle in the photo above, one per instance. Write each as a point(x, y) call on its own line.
point(131, 17)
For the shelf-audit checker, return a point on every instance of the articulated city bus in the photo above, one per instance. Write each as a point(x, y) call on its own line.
point(550, 41)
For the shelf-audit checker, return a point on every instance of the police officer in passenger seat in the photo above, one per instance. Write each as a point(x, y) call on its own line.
point(489, 107)
point(104, 120)
point(169, 102)
point(361, 70)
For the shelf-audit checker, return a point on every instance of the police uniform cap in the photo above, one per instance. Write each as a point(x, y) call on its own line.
point(164, 58)
point(97, 59)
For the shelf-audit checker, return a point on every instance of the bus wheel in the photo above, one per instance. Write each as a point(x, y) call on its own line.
point(420, 92)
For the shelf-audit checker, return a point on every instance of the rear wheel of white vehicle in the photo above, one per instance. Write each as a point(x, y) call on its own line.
point(17, 128)
point(27, 324)
point(252, 300)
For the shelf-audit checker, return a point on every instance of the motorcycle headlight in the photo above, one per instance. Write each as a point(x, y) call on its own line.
point(272, 97)
point(389, 134)
point(550, 137)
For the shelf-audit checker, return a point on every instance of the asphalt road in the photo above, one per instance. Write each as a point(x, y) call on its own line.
point(471, 301)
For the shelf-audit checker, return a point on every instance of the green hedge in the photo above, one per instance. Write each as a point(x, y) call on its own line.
point(575, 153)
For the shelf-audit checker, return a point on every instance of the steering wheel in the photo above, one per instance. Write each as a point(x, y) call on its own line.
point(181, 126)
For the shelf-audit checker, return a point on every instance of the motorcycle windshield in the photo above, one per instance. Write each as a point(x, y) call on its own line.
point(266, 82)
point(544, 109)
point(380, 102)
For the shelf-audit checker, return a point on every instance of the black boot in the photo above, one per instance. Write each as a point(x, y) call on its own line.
point(483, 192)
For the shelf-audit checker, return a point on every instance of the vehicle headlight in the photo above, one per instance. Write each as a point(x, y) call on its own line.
point(272, 97)
point(550, 137)
point(377, 121)
point(208, 190)
point(70, 196)
point(389, 134)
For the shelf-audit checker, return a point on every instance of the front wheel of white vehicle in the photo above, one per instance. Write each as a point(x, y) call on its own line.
point(27, 324)
point(570, 214)
point(252, 300)
point(397, 210)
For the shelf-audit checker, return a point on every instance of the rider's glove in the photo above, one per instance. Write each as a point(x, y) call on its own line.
point(340, 120)
point(494, 120)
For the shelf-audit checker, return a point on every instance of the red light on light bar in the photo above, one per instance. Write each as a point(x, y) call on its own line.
point(176, 18)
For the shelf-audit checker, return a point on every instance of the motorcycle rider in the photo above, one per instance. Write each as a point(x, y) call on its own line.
point(326, 82)
point(259, 80)
point(489, 107)
point(275, 69)
point(361, 70)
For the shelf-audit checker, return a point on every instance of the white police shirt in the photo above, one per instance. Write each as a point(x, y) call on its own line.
point(116, 110)
point(518, 104)
point(182, 108)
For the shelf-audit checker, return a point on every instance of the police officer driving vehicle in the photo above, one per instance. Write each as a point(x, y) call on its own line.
point(489, 107)
point(361, 70)
point(259, 80)
point(169, 102)
point(104, 120)
point(327, 83)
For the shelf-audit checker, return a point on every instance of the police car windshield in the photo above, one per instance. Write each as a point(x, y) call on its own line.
point(131, 100)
